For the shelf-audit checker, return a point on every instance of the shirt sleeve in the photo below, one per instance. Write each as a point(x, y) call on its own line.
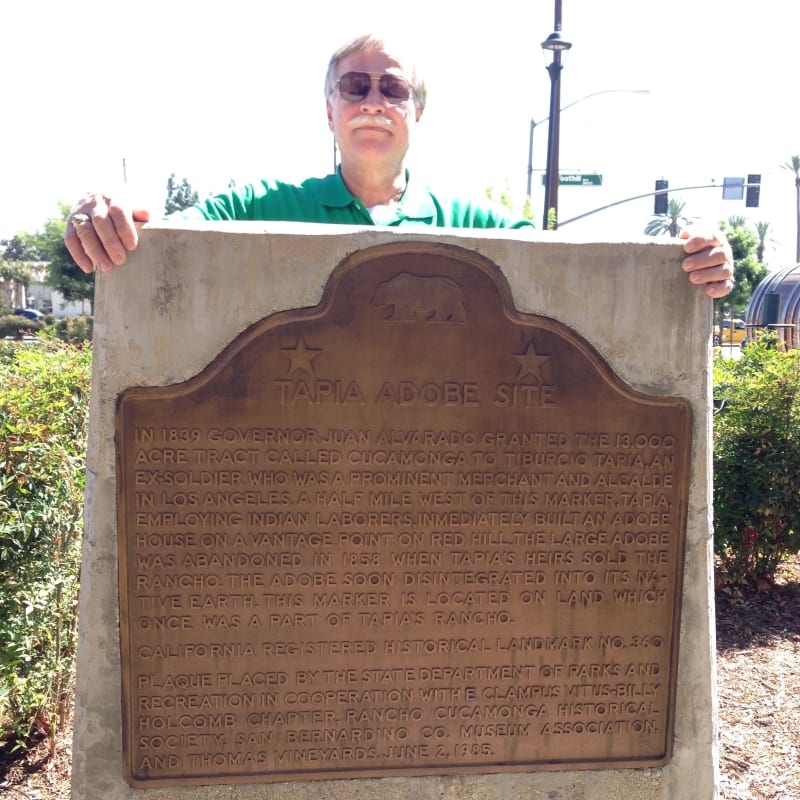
point(234, 204)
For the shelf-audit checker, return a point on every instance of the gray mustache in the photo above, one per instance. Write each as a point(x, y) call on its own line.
point(369, 119)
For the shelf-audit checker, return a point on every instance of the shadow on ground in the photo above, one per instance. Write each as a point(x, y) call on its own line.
point(758, 619)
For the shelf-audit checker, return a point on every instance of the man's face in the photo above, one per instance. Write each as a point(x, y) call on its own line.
point(372, 131)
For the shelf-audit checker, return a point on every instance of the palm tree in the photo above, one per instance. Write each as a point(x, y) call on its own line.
point(672, 222)
point(762, 229)
point(794, 166)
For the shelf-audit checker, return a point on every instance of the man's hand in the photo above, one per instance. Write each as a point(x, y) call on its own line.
point(709, 261)
point(100, 232)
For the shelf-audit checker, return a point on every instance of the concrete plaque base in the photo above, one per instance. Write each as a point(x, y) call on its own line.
point(416, 508)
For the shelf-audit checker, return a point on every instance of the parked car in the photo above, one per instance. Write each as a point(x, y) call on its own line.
point(29, 313)
point(733, 332)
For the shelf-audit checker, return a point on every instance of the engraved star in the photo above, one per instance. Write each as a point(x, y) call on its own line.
point(530, 363)
point(301, 357)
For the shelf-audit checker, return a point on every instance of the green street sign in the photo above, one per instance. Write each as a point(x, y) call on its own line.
point(577, 179)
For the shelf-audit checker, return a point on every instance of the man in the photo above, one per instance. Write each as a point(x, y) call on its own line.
point(374, 102)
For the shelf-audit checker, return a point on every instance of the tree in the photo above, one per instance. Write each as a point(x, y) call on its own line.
point(12, 275)
point(748, 271)
point(756, 462)
point(762, 230)
point(794, 166)
point(21, 247)
point(179, 196)
point(507, 201)
point(15, 271)
point(737, 221)
point(64, 274)
point(673, 222)
point(527, 209)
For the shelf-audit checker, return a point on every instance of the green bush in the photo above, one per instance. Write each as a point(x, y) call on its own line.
point(74, 329)
point(15, 327)
point(68, 329)
point(756, 463)
point(43, 415)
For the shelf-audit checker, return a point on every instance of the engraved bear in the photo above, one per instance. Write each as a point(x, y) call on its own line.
point(416, 297)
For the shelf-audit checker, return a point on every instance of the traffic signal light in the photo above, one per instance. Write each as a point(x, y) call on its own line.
point(753, 191)
point(661, 202)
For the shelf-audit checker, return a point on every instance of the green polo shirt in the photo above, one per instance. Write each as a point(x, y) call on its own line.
point(328, 200)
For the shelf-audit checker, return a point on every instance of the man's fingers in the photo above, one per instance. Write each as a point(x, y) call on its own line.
point(709, 261)
point(712, 264)
point(76, 250)
point(101, 232)
point(695, 242)
point(87, 231)
point(718, 288)
point(121, 230)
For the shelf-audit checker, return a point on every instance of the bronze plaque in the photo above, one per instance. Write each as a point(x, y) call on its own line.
point(409, 531)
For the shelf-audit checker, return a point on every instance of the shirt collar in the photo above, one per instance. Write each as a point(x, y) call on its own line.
point(333, 192)
point(416, 202)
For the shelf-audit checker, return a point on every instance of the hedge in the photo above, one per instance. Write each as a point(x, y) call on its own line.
point(44, 389)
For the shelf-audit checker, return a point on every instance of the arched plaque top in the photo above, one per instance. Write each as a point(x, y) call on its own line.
point(422, 283)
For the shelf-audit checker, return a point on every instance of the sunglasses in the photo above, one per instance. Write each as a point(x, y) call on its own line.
point(355, 86)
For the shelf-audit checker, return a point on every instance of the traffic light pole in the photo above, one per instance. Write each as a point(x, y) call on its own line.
point(646, 194)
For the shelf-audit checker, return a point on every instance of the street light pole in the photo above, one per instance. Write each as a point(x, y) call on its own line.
point(556, 45)
point(534, 123)
point(553, 138)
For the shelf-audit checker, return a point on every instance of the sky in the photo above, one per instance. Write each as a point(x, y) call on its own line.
point(116, 96)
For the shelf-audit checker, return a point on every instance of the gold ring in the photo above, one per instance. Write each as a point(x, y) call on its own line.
point(79, 219)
